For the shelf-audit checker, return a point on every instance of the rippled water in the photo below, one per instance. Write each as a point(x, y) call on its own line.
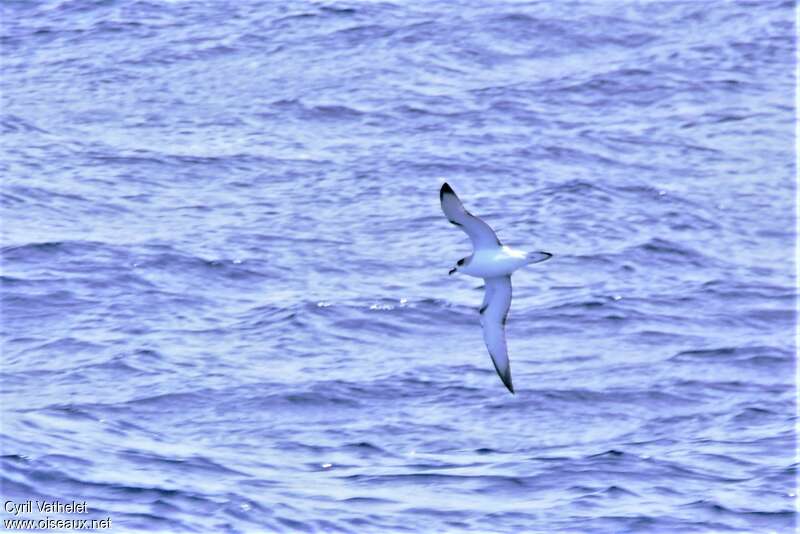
point(225, 294)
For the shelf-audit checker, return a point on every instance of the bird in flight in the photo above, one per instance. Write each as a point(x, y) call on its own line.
point(494, 262)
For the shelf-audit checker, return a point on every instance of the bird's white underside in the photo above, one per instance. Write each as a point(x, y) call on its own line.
point(494, 261)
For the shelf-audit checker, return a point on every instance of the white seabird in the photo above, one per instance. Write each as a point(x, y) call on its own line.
point(493, 262)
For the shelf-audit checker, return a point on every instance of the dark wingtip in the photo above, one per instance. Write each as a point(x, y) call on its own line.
point(505, 377)
point(446, 189)
point(507, 381)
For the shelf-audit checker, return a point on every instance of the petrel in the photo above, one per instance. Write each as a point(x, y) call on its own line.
point(494, 262)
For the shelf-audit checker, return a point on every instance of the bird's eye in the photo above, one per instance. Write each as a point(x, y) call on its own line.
point(461, 262)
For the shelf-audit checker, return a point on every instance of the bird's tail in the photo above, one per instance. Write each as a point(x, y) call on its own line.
point(537, 257)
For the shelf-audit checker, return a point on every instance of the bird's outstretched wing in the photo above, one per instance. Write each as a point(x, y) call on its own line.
point(480, 233)
point(494, 310)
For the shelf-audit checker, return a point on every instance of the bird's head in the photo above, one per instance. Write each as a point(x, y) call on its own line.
point(459, 263)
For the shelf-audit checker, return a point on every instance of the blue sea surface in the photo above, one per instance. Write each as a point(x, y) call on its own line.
point(225, 300)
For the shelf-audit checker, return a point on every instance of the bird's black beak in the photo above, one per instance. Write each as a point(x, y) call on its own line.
point(452, 271)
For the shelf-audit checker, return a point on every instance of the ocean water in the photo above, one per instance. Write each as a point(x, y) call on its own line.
point(225, 300)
